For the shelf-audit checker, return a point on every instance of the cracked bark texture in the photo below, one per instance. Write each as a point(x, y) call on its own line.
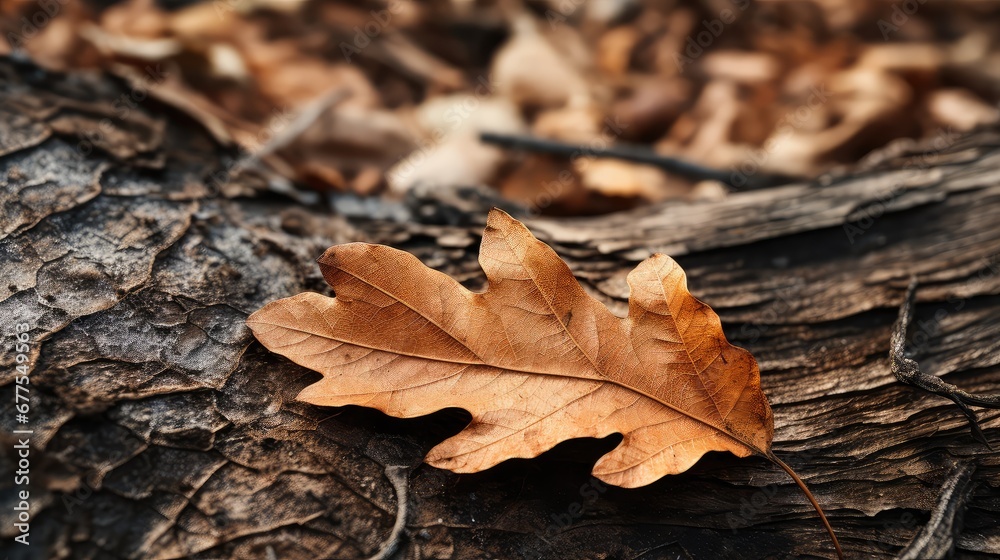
point(163, 430)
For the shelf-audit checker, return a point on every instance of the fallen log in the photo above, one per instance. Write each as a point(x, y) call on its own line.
point(161, 429)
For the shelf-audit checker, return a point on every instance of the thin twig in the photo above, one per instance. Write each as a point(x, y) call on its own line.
point(908, 370)
point(302, 121)
point(937, 538)
point(399, 477)
point(812, 499)
point(634, 154)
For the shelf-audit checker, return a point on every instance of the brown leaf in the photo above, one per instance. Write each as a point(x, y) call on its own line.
point(535, 359)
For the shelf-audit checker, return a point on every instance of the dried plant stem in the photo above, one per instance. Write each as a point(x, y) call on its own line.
point(399, 477)
point(805, 490)
point(636, 154)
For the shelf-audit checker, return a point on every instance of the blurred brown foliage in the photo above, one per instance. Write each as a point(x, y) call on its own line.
point(376, 97)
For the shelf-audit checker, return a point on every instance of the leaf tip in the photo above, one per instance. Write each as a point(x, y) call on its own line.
point(497, 218)
point(328, 258)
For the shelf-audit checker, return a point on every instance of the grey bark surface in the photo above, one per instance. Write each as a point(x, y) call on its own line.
point(163, 430)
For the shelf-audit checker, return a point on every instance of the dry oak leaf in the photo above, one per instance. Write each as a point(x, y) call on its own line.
point(534, 359)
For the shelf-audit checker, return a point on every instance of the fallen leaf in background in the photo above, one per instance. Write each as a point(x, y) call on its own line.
point(614, 50)
point(626, 180)
point(742, 67)
point(534, 358)
point(548, 184)
point(649, 106)
point(578, 122)
point(960, 109)
point(450, 152)
point(532, 73)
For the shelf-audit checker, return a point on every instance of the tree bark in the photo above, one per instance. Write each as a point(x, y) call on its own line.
point(134, 248)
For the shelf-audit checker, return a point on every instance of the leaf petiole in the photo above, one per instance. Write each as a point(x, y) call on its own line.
point(812, 499)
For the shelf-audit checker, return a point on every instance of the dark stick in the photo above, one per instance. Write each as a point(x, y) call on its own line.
point(937, 538)
point(908, 370)
point(635, 154)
